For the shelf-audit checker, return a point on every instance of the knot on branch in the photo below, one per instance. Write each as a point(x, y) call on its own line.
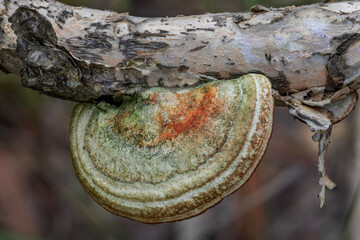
point(46, 67)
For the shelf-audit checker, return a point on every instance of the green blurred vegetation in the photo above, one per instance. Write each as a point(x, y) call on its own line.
point(11, 84)
point(4, 235)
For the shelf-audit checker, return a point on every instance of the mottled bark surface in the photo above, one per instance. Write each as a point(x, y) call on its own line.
point(88, 55)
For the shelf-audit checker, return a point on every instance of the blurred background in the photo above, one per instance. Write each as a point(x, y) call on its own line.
point(40, 197)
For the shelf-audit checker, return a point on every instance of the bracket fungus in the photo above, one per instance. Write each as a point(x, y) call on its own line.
point(170, 154)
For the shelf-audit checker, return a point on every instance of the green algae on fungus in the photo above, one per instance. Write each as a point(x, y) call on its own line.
point(170, 154)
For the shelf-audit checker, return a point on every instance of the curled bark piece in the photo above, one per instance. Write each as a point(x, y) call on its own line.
point(342, 108)
point(323, 138)
point(320, 114)
point(170, 154)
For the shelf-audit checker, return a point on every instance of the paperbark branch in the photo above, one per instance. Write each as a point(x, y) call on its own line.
point(88, 55)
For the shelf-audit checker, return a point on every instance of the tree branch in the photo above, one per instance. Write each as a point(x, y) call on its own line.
point(87, 55)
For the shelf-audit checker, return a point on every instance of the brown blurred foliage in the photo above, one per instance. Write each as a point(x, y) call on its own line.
point(40, 197)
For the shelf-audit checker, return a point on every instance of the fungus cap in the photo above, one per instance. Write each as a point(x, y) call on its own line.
point(170, 154)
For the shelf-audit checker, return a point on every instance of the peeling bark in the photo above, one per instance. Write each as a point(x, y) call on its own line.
point(88, 55)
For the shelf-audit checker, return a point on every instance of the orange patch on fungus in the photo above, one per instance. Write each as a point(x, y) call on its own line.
point(191, 111)
point(153, 98)
point(175, 114)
